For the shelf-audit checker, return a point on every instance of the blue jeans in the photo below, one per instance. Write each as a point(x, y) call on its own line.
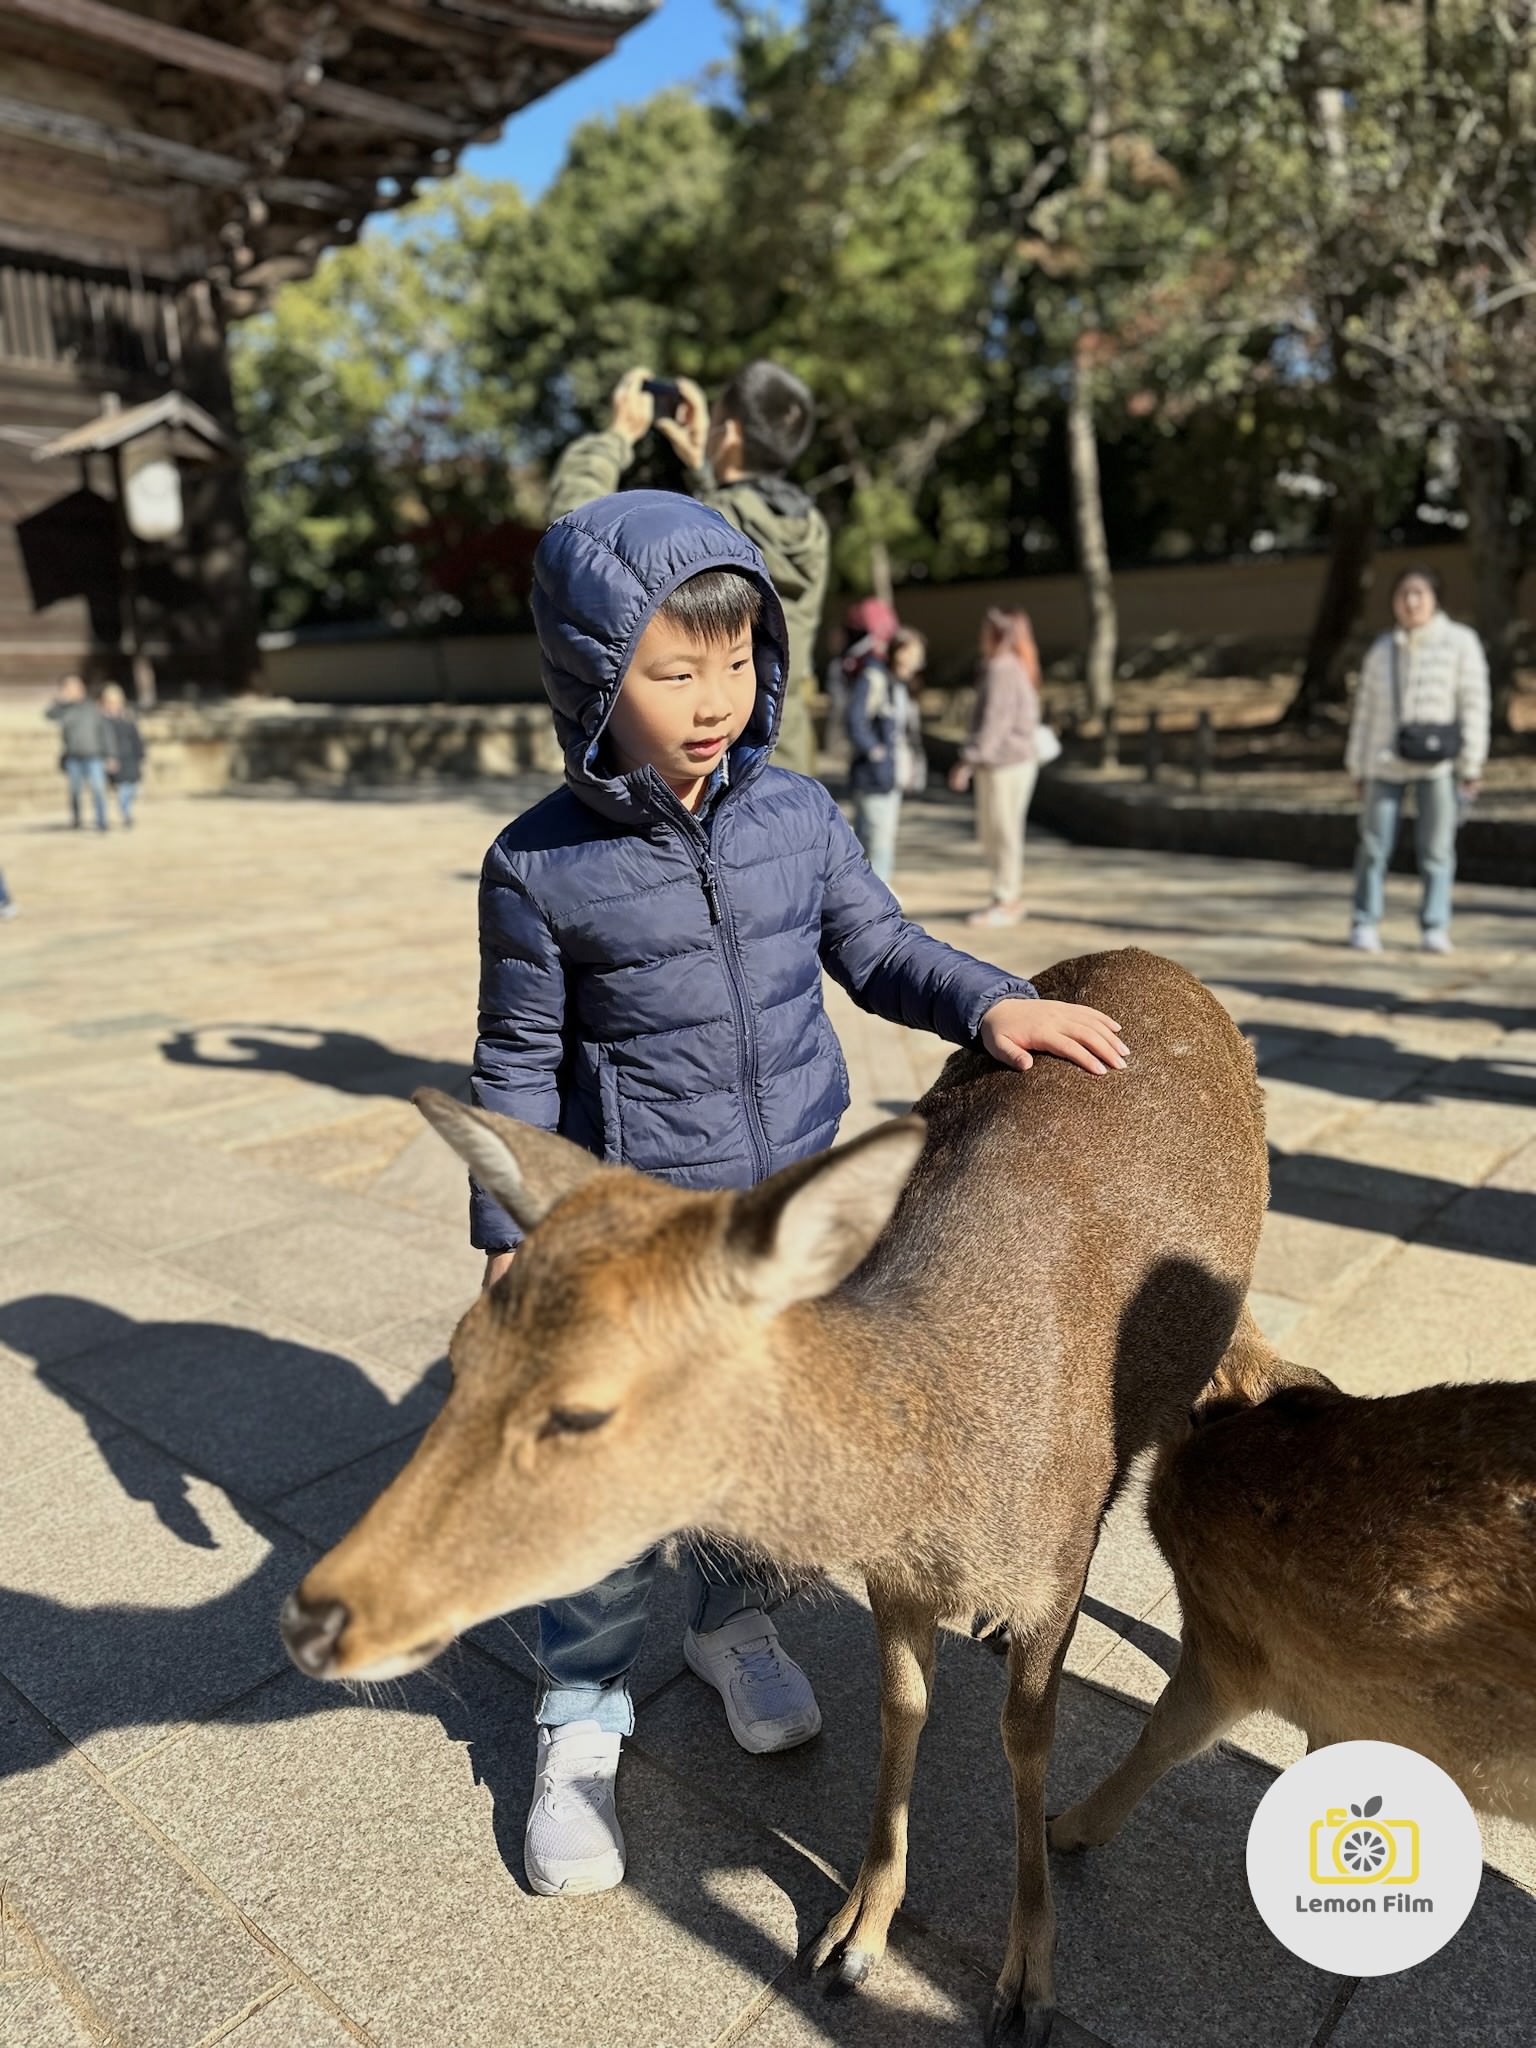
point(876, 814)
point(588, 1644)
point(91, 775)
point(127, 793)
point(1436, 804)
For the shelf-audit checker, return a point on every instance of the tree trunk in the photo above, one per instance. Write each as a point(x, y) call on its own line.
point(1093, 553)
point(1352, 550)
point(1487, 486)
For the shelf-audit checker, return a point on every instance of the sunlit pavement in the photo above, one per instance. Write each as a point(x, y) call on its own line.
point(230, 1256)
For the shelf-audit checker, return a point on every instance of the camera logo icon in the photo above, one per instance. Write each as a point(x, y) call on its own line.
point(1359, 1848)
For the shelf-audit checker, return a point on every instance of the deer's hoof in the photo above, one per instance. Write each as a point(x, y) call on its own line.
point(851, 1969)
point(1011, 2025)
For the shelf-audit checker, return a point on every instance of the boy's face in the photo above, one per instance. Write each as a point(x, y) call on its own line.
point(682, 703)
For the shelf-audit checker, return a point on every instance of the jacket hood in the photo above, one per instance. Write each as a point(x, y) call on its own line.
point(599, 575)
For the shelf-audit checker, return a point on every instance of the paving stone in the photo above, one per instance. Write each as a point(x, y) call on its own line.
point(1425, 1315)
point(1451, 1138)
point(1305, 1096)
point(291, 2020)
point(419, 1345)
point(1481, 1987)
point(1509, 1847)
point(259, 1410)
point(1128, 1573)
point(338, 1280)
point(40, 1429)
point(36, 1148)
point(34, 2013)
point(136, 1598)
point(22, 1217)
point(149, 1211)
point(381, 1848)
point(1310, 1257)
point(1276, 1316)
point(65, 1292)
point(157, 1959)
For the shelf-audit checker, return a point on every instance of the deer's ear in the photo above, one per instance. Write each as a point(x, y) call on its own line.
point(526, 1169)
point(798, 1233)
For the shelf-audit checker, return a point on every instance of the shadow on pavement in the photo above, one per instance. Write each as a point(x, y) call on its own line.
point(345, 1060)
point(1356, 996)
point(1334, 1060)
point(1490, 1223)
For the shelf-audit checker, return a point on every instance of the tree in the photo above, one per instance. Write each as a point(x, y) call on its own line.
point(367, 451)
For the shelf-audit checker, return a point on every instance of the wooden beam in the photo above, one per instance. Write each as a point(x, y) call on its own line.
point(545, 31)
point(85, 137)
point(189, 52)
point(96, 252)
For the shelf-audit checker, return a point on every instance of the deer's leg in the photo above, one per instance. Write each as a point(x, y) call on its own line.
point(1024, 2004)
point(1191, 1714)
point(855, 1936)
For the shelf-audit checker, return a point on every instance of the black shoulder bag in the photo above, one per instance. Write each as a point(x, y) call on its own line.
point(1417, 741)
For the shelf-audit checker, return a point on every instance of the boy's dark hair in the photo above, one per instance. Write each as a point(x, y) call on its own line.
point(715, 606)
point(776, 414)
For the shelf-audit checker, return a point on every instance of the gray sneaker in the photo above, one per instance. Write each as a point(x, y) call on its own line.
point(1437, 940)
point(1364, 938)
point(768, 1698)
point(573, 1842)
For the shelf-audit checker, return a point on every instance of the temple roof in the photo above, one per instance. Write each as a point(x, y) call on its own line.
point(234, 140)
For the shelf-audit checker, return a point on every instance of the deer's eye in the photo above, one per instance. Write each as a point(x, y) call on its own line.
point(574, 1421)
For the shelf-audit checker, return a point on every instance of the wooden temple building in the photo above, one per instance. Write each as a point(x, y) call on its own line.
point(164, 166)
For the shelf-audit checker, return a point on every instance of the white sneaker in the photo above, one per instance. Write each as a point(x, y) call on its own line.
point(1365, 938)
point(1437, 940)
point(573, 1842)
point(768, 1698)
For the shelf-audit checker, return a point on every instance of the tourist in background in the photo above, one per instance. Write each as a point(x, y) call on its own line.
point(909, 661)
point(83, 747)
point(875, 723)
point(999, 753)
point(1420, 720)
point(125, 750)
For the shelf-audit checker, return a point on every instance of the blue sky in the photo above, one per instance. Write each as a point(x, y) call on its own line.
point(673, 48)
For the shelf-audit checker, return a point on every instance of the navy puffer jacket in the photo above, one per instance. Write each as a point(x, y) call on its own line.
point(650, 979)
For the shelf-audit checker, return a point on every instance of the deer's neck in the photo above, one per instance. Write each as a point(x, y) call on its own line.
point(848, 1448)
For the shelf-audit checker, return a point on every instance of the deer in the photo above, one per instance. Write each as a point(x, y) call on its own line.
point(957, 1331)
point(1362, 1567)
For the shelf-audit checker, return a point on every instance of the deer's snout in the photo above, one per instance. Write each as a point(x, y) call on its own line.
point(311, 1632)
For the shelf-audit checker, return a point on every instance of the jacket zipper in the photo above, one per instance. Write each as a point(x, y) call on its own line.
point(735, 975)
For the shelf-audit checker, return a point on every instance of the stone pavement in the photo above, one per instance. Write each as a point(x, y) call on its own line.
point(230, 1256)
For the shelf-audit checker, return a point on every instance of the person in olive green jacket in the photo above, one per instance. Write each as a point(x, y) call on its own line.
point(736, 458)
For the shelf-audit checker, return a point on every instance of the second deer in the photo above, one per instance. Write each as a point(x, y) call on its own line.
point(1364, 1568)
point(953, 1335)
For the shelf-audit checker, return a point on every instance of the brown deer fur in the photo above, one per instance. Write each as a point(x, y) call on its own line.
point(949, 1409)
point(1365, 1568)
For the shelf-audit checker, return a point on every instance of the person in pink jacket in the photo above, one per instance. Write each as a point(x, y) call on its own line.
point(999, 753)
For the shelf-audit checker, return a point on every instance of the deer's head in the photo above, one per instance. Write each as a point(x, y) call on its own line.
point(591, 1385)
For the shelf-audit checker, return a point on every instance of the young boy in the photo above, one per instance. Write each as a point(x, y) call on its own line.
point(737, 458)
point(652, 939)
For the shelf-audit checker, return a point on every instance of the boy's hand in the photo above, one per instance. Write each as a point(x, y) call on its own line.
point(496, 1264)
point(689, 432)
point(634, 409)
point(960, 777)
point(1014, 1029)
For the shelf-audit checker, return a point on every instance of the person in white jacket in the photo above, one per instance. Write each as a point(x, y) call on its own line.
point(1421, 720)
